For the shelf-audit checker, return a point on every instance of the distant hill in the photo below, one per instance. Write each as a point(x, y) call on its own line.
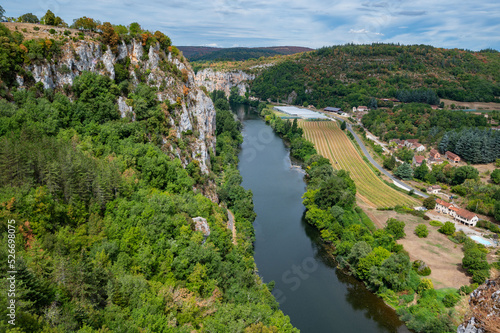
point(351, 75)
point(204, 53)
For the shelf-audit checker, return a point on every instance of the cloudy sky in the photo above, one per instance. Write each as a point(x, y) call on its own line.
point(314, 23)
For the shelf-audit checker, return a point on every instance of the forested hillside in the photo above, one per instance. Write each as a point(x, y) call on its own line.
point(201, 53)
point(421, 122)
point(350, 75)
point(104, 179)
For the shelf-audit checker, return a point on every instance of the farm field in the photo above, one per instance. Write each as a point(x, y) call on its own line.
point(333, 144)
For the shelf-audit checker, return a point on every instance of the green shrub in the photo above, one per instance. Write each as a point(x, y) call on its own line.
point(480, 276)
point(36, 28)
point(421, 231)
point(426, 218)
point(52, 31)
point(450, 300)
point(459, 237)
point(435, 223)
point(421, 268)
point(407, 298)
point(466, 290)
point(448, 228)
point(425, 284)
point(395, 228)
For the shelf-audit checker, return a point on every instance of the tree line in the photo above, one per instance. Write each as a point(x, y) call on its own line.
point(472, 144)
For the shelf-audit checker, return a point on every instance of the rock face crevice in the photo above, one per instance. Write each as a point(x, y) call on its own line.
point(173, 79)
point(224, 81)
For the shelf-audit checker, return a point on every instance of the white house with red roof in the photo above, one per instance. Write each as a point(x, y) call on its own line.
point(459, 214)
point(434, 189)
point(418, 147)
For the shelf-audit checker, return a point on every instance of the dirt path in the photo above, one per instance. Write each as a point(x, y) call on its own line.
point(231, 225)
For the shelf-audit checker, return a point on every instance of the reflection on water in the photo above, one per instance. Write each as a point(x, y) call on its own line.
point(316, 296)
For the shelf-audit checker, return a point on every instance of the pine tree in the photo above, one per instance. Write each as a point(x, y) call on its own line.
point(404, 171)
point(343, 126)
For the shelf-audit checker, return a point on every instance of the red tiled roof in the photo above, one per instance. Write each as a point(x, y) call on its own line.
point(413, 141)
point(419, 159)
point(454, 208)
point(443, 203)
point(451, 155)
point(465, 214)
point(433, 153)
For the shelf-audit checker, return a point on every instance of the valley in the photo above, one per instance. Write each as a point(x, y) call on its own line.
point(154, 187)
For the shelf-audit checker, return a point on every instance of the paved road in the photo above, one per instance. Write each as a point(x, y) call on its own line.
point(372, 161)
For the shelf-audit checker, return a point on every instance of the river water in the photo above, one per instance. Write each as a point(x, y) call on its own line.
point(316, 296)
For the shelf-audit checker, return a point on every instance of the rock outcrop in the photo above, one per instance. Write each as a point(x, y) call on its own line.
point(484, 313)
point(174, 80)
point(215, 80)
point(201, 224)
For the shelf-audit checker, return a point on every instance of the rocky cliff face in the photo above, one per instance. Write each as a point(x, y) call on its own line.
point(484, 313)
point(224, 81)
point(173, 78)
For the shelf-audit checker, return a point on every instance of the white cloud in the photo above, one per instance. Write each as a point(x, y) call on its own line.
point(364, 31)
point(313, 23)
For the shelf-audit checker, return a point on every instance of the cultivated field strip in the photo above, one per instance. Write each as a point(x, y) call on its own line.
point(333, 144)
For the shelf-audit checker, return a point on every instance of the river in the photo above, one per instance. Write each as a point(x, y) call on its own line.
point(316, 296)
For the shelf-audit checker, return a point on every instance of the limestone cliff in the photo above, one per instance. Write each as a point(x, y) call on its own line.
point(224, 80)
point(193, 118)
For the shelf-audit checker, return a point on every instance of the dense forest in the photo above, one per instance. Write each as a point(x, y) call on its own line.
point(420, 121)
point(350, 75)
point(105, 220)
point(472, 144)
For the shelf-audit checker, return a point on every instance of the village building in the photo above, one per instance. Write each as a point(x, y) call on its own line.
point(334, 110)
point(442, 206)
point(453, 158)
point(363, 108)
point(435, 157)
point(459, 214)
point(418, 160)
point(397, 141)
point(466, 217)
point(410, 142)
point(434, 189)
point(418, 147)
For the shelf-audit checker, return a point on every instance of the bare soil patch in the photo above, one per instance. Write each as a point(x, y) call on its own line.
point(473, 105)
point(485, 171)
point(442, 255)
